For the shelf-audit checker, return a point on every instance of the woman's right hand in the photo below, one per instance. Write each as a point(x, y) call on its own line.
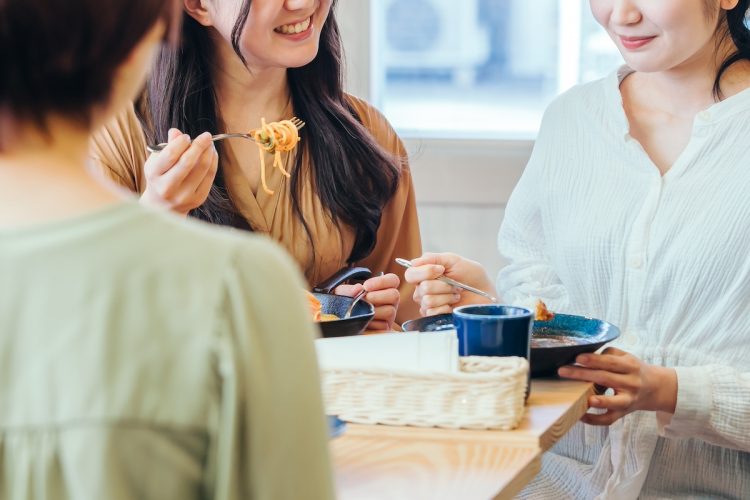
point(180, 176)
point(437, 297)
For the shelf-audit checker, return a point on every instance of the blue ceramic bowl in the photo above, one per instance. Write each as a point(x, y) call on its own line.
point(554, 343)
point(493, 330)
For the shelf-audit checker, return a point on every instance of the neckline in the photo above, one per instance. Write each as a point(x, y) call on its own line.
point(709, 117)
point(714, 113)
point(260, 208)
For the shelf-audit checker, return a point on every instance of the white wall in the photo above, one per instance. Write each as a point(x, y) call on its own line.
point(462, 186)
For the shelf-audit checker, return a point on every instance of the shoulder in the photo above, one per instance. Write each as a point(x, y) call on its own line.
point(377, 124)
point(124, 128)
point(210, 244)
point(366, 112)
point(591, 96)
point(580, 111)
point(210, 263)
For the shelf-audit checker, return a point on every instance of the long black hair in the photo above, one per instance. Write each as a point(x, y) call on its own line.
point(352, 175)
point(736, 28)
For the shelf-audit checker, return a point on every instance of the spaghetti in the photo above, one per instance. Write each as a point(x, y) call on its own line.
point(274, 138)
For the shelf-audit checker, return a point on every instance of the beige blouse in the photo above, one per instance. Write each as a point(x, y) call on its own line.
point(120, 150)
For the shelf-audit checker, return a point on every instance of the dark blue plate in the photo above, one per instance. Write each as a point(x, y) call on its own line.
point(336, 426)
point(554, 343)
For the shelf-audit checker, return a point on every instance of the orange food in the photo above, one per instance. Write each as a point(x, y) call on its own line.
point(314, 306)
point(542, 313)
point(274, 138)
point(315, 309)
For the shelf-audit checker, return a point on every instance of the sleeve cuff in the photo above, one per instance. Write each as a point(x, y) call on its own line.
point(694, 404)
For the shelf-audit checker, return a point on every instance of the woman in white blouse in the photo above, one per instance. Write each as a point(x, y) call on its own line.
point(633, 208)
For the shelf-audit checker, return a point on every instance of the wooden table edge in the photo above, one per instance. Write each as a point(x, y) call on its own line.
point(523, 478)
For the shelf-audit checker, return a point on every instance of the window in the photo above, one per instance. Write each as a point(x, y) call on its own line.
point(480, 68)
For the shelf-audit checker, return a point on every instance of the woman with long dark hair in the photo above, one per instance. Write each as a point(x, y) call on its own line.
point(349, 199)
point(633, 208)
point(140, 352)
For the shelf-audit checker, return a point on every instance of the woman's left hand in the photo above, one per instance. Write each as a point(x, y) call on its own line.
point(637, 385)
point(382, 292)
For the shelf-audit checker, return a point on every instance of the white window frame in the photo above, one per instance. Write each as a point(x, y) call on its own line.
point(451, 170)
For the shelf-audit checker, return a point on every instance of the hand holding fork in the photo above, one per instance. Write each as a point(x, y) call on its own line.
point(180, 176)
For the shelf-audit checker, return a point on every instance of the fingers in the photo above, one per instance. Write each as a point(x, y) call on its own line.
point(385, 314)
point(429, 266)
point(348, 290)
point(386, 281)
point(204, 188)
point(433, 296)
point(382, 292)
point(205, 167)
point(609, 362)
point(435, 301)
point(441, 259)
point(172, 134)
point(388, 297)
point(188, 161)
point(617, 402)
point(423, 273)
point(600, 377)
point(180, 176)
point(159, 163)
point(617, 406)
point(604, 419)
point(614, 351)
point(384, 301)
point(434, 287)
point(434, 311)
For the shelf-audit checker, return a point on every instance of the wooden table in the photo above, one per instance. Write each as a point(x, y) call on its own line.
point(383, 462)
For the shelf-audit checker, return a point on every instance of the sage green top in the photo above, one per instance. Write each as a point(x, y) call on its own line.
point(146, 357)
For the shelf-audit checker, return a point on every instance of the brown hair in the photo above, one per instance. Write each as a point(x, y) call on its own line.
point(61, 56)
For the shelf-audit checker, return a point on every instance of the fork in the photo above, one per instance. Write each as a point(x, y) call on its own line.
point(218, 137)
point(452, 282)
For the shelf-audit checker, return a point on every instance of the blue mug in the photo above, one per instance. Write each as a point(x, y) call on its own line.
point(493, 330)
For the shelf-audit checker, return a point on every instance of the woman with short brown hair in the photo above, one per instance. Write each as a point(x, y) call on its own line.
point(140, 355)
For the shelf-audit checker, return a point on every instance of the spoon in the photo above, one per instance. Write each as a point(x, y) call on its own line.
point(349, 310)
point(446, 279)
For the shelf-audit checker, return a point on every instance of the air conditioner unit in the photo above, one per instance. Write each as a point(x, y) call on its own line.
point(435, 35)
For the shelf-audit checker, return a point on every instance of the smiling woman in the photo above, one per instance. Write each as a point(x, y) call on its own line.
point(296, 31)
point(636, 187)
point(349, 199)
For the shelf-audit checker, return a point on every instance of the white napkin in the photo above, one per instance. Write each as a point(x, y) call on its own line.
point(432, 352)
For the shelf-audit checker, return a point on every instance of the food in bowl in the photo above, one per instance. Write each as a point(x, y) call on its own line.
point(541, 312)
point(539, 341)
point(316, 309)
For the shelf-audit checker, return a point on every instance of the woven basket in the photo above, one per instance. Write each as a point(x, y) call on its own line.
point(487, 393)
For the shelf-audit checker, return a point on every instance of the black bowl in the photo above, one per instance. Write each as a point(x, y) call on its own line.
point(361, 315)
point(568, 336)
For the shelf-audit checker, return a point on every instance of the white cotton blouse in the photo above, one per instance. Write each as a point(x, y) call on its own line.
point(593, 228)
